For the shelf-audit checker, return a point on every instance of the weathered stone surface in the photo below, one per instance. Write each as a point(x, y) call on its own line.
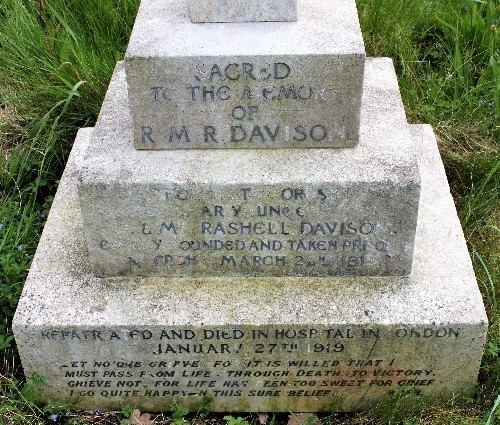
point(314, 212)
point(245, 85)
point(269, 344)
point(243, 10)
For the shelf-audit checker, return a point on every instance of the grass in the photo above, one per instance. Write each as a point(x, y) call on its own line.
point(447, 57)
point(57, 57)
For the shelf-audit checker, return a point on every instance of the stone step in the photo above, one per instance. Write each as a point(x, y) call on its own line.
point(255, 344)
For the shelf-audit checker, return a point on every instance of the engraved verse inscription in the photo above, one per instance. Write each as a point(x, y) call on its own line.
point(257, 362)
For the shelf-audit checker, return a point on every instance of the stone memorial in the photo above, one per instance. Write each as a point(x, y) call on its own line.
point(252, 222)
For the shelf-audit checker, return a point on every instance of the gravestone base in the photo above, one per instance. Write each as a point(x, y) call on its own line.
point(252, 344)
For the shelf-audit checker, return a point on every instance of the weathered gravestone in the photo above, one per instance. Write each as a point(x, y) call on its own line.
point(251, 220)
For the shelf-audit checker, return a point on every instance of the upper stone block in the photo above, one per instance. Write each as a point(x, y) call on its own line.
point(245, 85)
point(243, 10)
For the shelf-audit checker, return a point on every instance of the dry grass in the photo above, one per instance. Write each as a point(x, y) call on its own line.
point(11, 129)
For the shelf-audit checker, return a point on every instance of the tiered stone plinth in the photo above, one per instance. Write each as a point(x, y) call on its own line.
point(251, 221)
point(252, 344)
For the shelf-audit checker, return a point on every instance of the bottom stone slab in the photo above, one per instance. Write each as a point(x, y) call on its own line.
point(252, 344)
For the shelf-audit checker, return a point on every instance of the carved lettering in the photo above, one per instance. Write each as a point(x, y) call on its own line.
point(246, 362)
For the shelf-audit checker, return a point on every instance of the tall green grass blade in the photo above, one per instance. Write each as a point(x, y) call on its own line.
point(62, 21)
point(493, 172)
point(489, 287)
point(490, 420)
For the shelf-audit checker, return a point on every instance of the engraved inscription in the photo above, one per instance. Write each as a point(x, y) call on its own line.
point(267, 362)
point(255, 231)
point(243, 104)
